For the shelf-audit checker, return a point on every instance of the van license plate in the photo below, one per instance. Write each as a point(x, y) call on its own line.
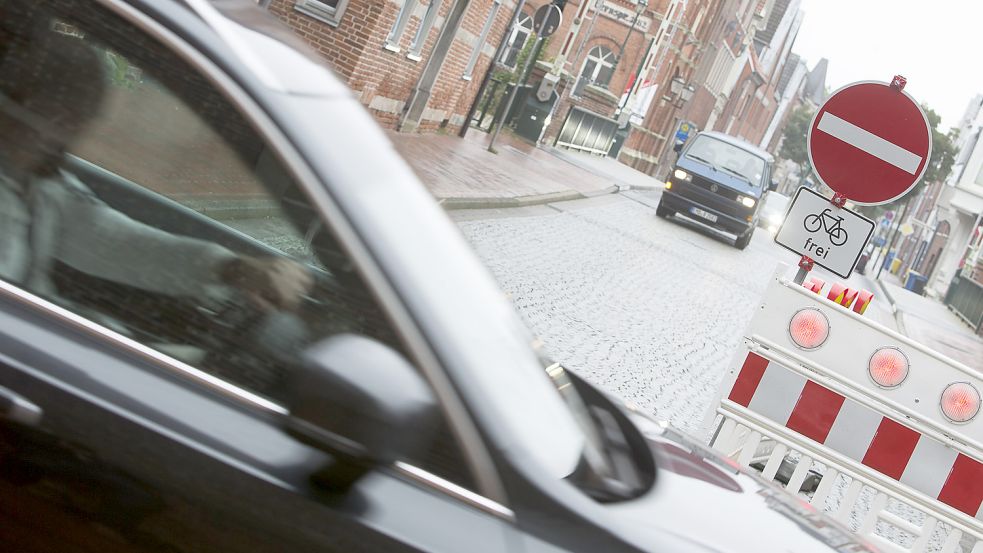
point(700, 213)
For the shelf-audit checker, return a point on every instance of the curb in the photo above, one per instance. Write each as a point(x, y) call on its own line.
point(604, 175)
point(451, 204)
point(898, 313)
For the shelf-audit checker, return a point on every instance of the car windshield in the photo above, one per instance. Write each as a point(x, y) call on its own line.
point(728, 157)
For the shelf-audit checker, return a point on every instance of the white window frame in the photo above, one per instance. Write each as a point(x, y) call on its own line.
point(510, 43)
point(601, 60)
point(322, 11)
point(423, 31)
point(399, 26)
point(476, 51)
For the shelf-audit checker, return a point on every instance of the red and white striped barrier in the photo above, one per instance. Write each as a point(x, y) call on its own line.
point(860, 433)
point(822, 398)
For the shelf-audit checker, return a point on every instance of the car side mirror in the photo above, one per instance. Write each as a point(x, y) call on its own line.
point(677, 147)
point(361, 402)
point(773, 185)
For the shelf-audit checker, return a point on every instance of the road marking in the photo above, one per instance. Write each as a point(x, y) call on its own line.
point(869, 142)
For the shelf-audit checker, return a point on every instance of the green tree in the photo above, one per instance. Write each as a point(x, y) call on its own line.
point(794, 142)
point(943, 149)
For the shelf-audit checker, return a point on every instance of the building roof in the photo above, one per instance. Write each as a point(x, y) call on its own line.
point(790, 64)
point(764, 36)
point(815, 89)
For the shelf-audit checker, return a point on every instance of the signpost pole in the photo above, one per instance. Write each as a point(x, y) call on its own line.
point(805, 265)
point(886, 249)
point(523, 75)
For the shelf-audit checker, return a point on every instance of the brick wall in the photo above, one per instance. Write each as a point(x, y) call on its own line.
point(384, 80)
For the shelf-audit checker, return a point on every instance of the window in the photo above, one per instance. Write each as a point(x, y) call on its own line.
point(420, 38)
point(399, 26)
point(521, 32)
point(731, 158)
point(481, 39)
point(134, 194)
point(329, 11)
point(599, 66)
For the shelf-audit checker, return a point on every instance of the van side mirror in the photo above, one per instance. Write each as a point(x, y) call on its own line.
point(361, 402)
point(677, 147)
point(773, 185)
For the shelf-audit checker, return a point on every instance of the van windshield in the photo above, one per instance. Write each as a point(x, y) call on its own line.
point(721, 155)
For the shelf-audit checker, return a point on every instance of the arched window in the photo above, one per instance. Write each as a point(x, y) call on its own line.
point(517, 40)
point(599, 66)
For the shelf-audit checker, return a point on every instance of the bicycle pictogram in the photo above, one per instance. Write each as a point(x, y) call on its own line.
point(832, 225)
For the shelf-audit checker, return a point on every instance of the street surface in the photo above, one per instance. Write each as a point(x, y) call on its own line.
point(646, 308)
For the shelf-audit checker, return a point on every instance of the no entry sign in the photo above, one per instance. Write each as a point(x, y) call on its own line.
point(870, 142)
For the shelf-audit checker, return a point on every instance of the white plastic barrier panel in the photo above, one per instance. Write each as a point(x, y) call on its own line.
point(860, 420)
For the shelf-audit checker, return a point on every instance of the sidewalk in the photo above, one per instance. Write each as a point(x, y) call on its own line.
point(462, 173)
point(930, 322)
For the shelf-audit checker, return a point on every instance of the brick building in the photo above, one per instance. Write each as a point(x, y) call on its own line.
point(415, 64)
point(640, 66)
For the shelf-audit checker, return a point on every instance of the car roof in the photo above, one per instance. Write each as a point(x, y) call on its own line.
point(744, 145)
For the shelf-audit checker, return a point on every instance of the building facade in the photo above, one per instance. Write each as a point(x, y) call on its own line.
point(415, 64)
point(961, 206)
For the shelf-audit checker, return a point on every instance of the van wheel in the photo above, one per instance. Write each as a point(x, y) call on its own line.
point(663, 212)
point(744, 239)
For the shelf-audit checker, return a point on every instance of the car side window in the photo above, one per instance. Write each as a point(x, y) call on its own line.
point(133, 193)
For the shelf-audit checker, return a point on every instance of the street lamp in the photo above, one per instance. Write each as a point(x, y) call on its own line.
point(685, 95)
point(639, 9)
point(682, 91)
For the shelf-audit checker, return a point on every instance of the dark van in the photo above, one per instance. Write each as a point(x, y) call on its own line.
point(719, 181)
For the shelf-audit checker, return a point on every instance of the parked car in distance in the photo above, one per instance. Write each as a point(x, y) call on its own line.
point(719, 181)
point(773, 209)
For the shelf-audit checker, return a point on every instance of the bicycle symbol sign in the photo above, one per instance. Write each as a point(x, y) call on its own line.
point(832, 237)
point(816, 221)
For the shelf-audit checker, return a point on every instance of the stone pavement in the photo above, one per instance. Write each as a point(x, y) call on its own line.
point(462, 173)
point(930, 322)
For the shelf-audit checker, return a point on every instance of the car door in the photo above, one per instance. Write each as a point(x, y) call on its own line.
point(141, 373)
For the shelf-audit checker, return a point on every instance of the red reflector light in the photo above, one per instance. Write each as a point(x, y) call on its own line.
point(888, 367)
point(960, 402)
point(808, 328)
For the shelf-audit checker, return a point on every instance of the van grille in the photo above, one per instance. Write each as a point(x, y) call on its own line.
point(705, 184)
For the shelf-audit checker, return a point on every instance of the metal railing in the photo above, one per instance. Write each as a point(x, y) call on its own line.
point(965, 298)
point(888, 514)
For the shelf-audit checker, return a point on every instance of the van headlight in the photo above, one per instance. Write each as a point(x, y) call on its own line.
point(748, 202)
point(681, 175)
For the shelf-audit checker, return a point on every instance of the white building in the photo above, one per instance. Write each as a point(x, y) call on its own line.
point(961, 201)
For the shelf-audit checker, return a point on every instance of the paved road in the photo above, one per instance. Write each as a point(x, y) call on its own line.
point(645, 308)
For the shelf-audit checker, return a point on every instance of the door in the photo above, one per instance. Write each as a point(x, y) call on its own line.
point(161, 274)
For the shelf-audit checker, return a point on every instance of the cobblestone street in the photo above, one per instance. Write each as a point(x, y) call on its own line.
point(646, 308)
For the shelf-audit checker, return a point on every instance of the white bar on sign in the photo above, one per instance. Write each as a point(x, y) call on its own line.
point(869, 142)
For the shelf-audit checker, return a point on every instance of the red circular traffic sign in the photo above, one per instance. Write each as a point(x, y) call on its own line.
point(870, 142)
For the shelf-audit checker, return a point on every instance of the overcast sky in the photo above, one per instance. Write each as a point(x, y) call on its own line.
point(936, 44)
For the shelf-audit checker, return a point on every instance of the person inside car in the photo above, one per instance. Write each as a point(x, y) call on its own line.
point(51, 86)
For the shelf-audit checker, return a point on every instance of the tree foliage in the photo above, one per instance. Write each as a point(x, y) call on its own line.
point(943, 149)
point(794, 144)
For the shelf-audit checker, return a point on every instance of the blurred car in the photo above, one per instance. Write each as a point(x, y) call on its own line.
point(400, 407)
point(773, 209)
point(719, 181)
